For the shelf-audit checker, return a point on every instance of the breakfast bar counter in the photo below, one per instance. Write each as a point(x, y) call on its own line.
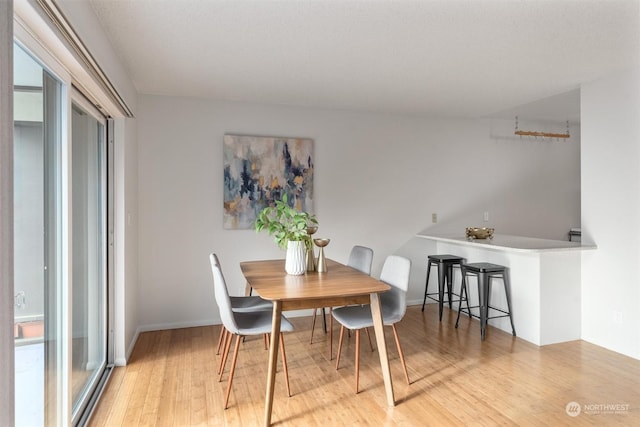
point(503, 242)
point(545, 281)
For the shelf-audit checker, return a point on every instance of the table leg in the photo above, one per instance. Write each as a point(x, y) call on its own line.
point(273, 360)
point(376, 313)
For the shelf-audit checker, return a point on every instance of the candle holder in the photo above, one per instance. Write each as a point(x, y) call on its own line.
point(311, 256)
point(322, 263)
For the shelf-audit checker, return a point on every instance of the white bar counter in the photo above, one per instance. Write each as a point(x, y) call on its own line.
point(545, 282)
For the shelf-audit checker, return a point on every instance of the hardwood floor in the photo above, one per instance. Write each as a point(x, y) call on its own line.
point(456, 380)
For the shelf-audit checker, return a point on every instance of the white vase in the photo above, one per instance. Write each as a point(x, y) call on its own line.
point(296, 261)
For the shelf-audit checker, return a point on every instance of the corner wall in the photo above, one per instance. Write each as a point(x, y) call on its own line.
point(610, 211)
point(378, 179)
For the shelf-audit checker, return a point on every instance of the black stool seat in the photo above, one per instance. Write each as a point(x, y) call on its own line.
point(484, 267)
point(445, 264)
point(485, 272)
point(446, 258)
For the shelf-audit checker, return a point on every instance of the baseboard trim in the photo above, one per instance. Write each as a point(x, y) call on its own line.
point(206, 322)
point(198, 323)
point(176, 325)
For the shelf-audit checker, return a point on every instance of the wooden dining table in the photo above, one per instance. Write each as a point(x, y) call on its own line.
point(340, 285)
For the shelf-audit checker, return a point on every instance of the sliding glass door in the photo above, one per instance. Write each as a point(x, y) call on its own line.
point(60, 249)
point(38, 254)
point(89, 284)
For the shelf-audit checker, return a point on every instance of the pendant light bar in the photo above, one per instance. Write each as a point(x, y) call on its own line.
point(542, 134)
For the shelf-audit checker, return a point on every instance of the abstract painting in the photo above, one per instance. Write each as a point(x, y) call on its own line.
point(259, 170)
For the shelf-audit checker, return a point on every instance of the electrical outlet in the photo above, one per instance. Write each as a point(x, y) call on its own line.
point(486, 216)
point(434, 217)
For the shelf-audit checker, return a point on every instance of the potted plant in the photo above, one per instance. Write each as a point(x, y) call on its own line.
point(288, 226)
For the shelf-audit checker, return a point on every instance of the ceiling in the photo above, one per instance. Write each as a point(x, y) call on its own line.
point(460, 58)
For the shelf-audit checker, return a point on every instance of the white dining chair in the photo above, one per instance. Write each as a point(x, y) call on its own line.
point(243, 304)
point(395, 272)
point(360, 258)
point(242, 324)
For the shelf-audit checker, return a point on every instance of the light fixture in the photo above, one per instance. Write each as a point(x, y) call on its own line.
point(542, 134)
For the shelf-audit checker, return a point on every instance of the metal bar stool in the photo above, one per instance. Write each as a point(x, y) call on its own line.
point(485, 272)
point(445, 264)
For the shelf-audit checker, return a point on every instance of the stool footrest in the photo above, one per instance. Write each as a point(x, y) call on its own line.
point(477, 316)
point(429, 296)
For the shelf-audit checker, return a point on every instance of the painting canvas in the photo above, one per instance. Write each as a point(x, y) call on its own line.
point(259, 170)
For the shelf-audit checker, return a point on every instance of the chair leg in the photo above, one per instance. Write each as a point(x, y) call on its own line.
point(463, 291)
point(265, 338)
point(369, 336)
point(224, 349)
point(313, 324)
point(357, 358)
point(426, 284)
point(449, 278)
point(225, 355)
point(441, 279)
point(339, 347)
point(233, 369)
point(324, 320)
point(330, 333)
point(484, 286)
point(404, 364)
point(284, 364)
point(223, 330)
point(467, 299)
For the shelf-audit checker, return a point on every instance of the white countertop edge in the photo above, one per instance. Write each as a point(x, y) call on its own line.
point(502, 242)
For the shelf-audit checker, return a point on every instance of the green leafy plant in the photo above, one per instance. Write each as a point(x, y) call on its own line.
point(285, 223)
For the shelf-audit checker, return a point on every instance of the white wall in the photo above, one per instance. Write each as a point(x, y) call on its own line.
point(610, 111)
point(378, 179)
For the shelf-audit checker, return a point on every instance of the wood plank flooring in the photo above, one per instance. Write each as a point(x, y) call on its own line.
point(456, 380)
